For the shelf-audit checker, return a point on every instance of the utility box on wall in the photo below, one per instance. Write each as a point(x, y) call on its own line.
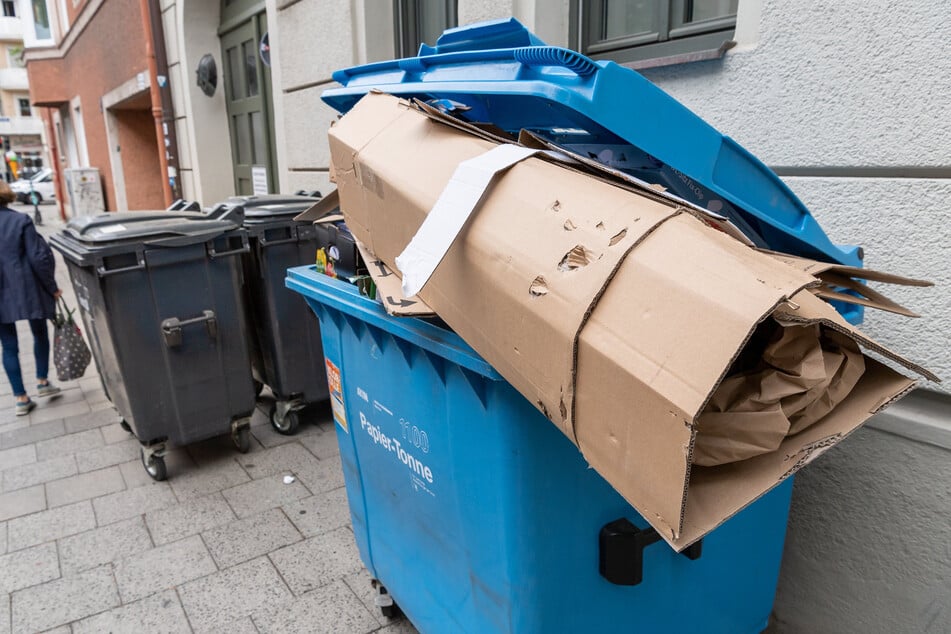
point(85, 191)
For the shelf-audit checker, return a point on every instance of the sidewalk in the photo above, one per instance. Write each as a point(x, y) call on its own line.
point(89, 543)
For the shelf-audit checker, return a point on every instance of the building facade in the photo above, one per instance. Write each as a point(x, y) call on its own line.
point(21, 132)
point(93, 76)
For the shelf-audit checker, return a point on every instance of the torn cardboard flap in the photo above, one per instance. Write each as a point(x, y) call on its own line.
point(322, 208)
point(842, 283)
point(613, 311)
point(389, 288)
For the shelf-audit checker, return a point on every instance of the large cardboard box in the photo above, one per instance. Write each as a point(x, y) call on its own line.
point(616, 310)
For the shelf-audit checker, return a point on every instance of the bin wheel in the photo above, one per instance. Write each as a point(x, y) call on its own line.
point(125, 425)
point(384, 600)
point(391, 611)
point(241, 437)
point(258, 387)
point(286, 426)
point(154, 466)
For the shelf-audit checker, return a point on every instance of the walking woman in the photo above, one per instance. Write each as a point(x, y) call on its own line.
point(27, 291)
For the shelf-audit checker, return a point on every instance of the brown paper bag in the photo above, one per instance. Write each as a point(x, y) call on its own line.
point(802, 374)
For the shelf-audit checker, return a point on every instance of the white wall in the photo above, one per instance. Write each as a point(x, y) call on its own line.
point(201, 122)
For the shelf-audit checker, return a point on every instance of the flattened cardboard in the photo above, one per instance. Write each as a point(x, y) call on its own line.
point(615, 313)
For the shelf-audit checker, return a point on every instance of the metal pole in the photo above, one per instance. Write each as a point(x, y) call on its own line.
point(156, 98)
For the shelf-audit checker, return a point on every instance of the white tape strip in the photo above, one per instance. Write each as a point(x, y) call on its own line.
point(448, 216)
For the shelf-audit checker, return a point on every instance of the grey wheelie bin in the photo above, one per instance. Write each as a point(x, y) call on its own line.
point(160, 294)
point(286, 331)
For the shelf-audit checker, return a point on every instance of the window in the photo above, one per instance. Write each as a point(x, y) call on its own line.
point(642, 33)
point(41, 20)
point(421, 21)
point(10, 8)
point(24, 107)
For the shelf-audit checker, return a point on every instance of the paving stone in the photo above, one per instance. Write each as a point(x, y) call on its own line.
point(264, 463)
point(163, 567)
point(90, 382)
point(177, 461)
point(70, 443)
point(239, 591)
point(68, 404)
point(95, 396)
point(64, 600)
point(84, 486)
point(241, 540)
point(322, 445)
point(326, 475)
point(327, 610)
point(103, 545)
point(401, 626)
point(31, 434)
point(208, 478)
point(189, 518)
point(158, 613)
point(266, 435)
point(28, 567)
point(90, 420)
point(320, 513)
point(62, 629)
point(17, 456)
point(22, 502)
point(361, 583)
point(109, 455)
point(317, 561)
point(124, 504)
point(49, 525)
point(39, 472)
point(14, 423)
point(114, 433)
point(256, 496)
point(5, 614)
point(3, 537)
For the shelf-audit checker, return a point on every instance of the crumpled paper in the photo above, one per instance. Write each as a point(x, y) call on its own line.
point(803, 373)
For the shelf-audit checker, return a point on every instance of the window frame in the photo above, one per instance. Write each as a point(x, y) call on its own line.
point(673, 40)
point(29, 107)
point(407, 24)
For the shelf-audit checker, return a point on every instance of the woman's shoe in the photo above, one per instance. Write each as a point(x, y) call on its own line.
point(47, 389)
point(24, 407)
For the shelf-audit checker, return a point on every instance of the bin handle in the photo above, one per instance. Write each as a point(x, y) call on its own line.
point(244, 248)
point(102, 271)
point(621, 551)
point(172, 327)
point(291, 238)
point(525, 55)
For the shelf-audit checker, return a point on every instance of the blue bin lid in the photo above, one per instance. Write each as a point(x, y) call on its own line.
point(499, 72)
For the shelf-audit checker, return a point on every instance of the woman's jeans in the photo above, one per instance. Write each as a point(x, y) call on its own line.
point(11, 353)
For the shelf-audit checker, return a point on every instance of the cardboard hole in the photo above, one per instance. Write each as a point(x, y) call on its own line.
point(556, 206)
point(570, 226)
point(578, 257)
point(618, 237)
point(539, 287)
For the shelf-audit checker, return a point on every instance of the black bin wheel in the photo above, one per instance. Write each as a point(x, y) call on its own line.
point(288, 426)
point(154, 466)
point(125, 425)
point(241, 437)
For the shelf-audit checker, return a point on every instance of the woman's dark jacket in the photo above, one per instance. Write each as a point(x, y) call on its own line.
point(27, 282)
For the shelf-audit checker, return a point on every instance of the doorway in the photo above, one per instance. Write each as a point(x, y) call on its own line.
point(247, 85)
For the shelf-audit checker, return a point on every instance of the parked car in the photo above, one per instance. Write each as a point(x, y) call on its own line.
point(37, 188)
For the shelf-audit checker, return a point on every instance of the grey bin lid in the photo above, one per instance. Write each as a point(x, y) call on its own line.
point(272, 207)
point(151, 226)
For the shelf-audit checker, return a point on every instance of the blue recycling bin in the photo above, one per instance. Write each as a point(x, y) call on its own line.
point(478, 515)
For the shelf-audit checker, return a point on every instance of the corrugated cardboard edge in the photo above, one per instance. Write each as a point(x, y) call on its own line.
point(389, 288)
point(324, 206)
point(804, 310)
